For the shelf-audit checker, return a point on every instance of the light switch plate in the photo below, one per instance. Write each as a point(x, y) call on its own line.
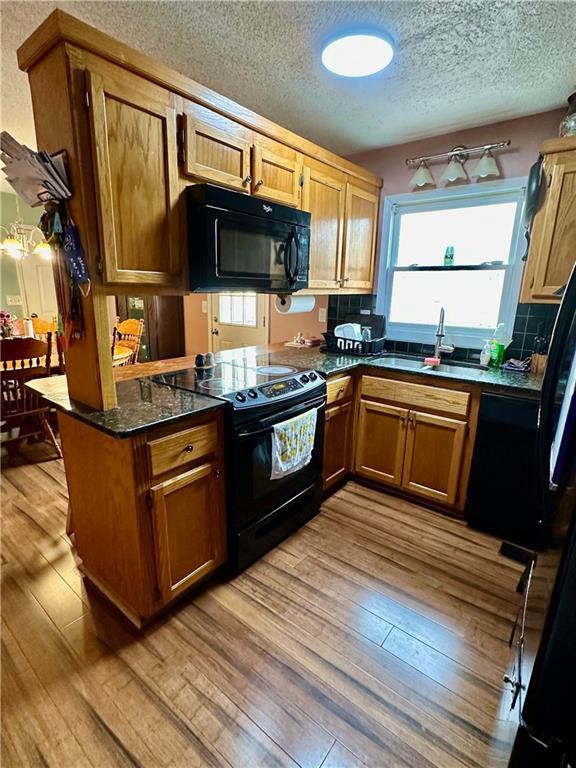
point(322, 315)
point(205, 307)
point(14, 301)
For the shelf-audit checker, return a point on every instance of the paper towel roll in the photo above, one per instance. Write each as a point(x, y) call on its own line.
point(292, 305)
point(29, 328)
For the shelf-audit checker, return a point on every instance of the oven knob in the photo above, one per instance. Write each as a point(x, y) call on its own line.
point(252, 393)
point(313, 376)
point(241, 397)
point(304, 379)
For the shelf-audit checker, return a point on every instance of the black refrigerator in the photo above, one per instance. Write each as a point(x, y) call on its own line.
point(546, 736)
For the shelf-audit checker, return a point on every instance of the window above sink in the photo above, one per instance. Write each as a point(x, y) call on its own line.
point(480, 289)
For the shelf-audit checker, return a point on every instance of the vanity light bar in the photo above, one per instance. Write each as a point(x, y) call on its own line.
point(461, 153)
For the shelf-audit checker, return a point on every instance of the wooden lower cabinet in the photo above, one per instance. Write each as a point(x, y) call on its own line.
point(190, 528)
point(381, 440)
point(337, 436)
point(433, 456)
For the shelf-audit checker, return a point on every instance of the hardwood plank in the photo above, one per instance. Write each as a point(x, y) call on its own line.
point(349, 645)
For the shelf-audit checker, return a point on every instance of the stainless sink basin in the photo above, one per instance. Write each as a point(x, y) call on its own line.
point(418, 364)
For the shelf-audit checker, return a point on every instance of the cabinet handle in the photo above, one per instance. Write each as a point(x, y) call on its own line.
point(340, 392)
point(345, 280)
point(247, 180)
point(548, 180)
point(259, 184)
point(189, 448)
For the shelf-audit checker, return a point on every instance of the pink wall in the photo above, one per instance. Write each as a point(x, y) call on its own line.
point(285, 327)
point(282, 327)
point(526, 135)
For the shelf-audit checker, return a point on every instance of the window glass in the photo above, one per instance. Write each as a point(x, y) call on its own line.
point(238, 309)
point(478, 234)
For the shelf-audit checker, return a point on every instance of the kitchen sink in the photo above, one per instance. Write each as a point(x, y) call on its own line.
point(417, 363)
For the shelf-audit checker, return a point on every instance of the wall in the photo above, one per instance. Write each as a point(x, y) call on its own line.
point(282, 327)
point(9, 282)
point(285, 327)
point(526, 135)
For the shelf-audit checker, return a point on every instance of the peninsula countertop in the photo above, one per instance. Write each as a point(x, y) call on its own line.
point(144, 403)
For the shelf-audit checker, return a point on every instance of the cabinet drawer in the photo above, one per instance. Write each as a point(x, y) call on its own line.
point(173, 451)
point(341, 388)
point(416, 395)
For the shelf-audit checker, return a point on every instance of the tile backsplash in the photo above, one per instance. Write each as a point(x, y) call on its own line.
point(526, 324)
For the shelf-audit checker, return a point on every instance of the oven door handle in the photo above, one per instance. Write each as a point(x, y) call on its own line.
point(318, 403)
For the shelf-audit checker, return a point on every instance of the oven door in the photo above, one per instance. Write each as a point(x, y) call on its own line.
point(253, 493)
point(247, 252)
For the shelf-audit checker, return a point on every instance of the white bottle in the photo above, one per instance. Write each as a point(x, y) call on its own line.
point(485, 354)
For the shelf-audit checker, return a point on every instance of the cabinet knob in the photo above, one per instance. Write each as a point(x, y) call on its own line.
point(189, 448)
point(340, 392)
point(247, 180)
point(259, 183)
point(345, 279)
point(217, 473)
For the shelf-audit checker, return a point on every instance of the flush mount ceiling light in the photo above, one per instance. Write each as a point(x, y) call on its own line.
point(422, 177)
point(358, 55)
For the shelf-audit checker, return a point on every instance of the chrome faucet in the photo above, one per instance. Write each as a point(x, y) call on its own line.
point(439, 346)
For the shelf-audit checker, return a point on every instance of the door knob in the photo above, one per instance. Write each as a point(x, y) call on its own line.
point(215, 332)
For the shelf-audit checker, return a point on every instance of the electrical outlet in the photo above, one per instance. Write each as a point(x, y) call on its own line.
point(322, 315)
point(14, 301)
point(205, 307)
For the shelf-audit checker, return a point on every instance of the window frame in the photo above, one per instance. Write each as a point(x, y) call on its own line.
point(489, 192)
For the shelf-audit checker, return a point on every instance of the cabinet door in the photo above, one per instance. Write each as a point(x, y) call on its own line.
point(216, 149)
point(554, 231)
point(323, 195)
point(276, 171)
point(190, 528)
point(136, 170)
point(337, 443)
point(434, 450)
point(360, 223)
point(380, 442)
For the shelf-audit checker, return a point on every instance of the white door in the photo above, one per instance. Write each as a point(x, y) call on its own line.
point(37, 287)
point(238, 320)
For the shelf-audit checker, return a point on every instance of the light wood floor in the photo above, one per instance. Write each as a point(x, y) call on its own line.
point(375, 636)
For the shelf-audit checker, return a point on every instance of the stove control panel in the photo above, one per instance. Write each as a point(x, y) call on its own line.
point(277, 389)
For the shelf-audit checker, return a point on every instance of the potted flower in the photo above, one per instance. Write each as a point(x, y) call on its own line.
point(6, 324)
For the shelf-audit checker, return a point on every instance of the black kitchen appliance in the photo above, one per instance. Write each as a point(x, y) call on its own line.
point(546, 736)
point(241, 243)
point(261, 511)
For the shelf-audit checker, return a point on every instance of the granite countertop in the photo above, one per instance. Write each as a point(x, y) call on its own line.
point(329, 363)
point(142, 404)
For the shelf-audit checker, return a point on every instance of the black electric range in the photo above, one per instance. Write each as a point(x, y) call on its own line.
point(261, 511)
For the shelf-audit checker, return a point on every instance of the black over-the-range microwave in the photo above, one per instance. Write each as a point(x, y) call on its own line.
point(242, 243)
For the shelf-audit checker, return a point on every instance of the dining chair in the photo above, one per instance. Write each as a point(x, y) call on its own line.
point(21, 361)
point(128, 334)
point(43, 327)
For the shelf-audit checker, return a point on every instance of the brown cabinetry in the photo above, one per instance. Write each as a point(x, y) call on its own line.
point(276, 171)
point(433, 457)
point(360, 224)
point(189, 528)
point(216, 149)
point(324, 196)
point(551, 255)
point(133, 127)
point(408, 444)
point(337, 442)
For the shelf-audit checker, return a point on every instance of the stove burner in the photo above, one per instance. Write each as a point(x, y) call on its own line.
point(275, 370)
point(214, 385)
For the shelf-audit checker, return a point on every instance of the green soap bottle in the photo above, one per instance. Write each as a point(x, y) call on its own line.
point(449, 256)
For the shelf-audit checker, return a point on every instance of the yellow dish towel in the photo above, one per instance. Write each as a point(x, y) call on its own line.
point(292, 444)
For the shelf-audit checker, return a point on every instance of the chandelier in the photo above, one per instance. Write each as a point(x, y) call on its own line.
point(22, 239)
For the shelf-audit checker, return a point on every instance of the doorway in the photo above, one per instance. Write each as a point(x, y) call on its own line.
point(237, 320)
point(163, 332)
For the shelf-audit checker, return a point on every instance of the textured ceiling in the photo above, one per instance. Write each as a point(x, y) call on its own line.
point(458, 63)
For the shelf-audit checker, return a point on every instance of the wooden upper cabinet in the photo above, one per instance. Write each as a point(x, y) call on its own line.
point(324, 196)
point(360, 225)
point(276, 171)
point(216, 149)
point(136, 172)
point(380, 442)
point(434, 451)
point(552, 253)
point(189, 528)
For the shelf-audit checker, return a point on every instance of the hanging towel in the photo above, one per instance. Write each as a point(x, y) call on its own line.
point(292, 444)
